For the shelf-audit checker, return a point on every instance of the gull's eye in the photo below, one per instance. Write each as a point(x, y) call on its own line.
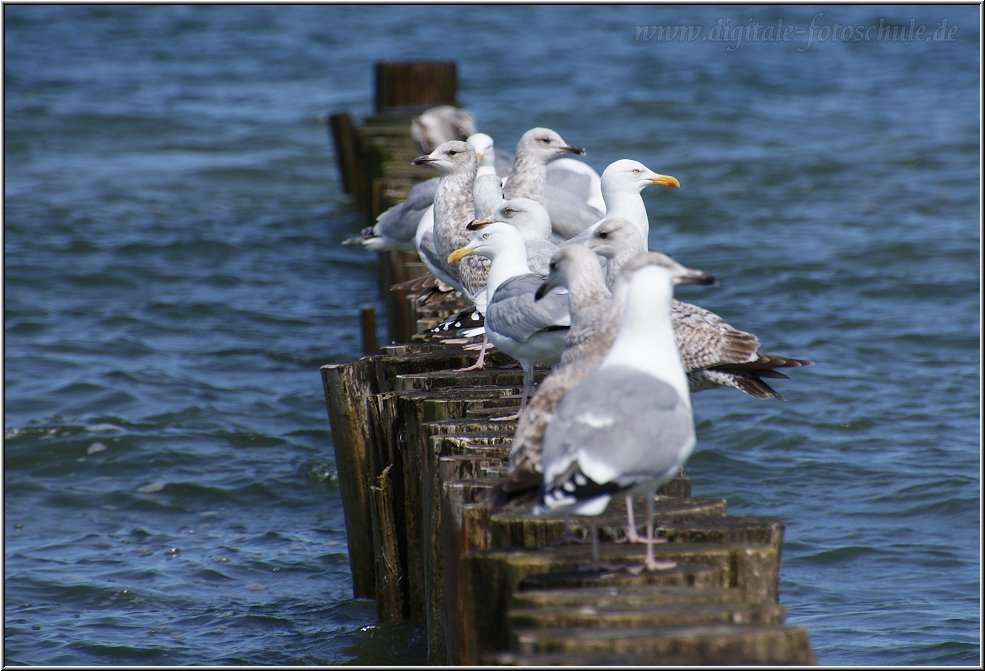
point(509, 212)
point(545, 140)
point(451, 152)
point(603, 234)
point(636, 171)
point(485, 236)
point(552, 267)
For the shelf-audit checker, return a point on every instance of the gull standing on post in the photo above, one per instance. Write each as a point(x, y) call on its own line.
point(594, 320)
point(628, 427)
point(397, 226)
point(526, 329)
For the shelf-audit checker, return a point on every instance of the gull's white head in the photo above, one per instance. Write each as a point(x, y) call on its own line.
point(528, 216)
point(626, 175)
point(490, 239)
point(449, 157)
point(545, 144)
point(483, 145)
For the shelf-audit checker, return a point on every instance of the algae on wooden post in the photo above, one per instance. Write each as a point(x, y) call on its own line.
point(346, 387)
point(391, 597)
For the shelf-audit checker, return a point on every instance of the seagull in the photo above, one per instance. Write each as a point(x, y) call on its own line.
point(487, 194)
point(628, 427)
point(484, 151)
point(526, 329)
point(594, 319)
point(535, 149)
point(453, 210)
point(396, 226)
point(705, 342)
point(590, 304)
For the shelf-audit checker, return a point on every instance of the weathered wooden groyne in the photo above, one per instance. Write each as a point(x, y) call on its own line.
point(417, 451)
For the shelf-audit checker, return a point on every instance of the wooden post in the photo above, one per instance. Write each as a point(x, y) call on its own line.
point(346, 387)
point(346, 150)
point(401, 84)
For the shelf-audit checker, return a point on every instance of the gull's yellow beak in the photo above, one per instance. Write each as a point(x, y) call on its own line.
point(665, 180)
point(460, 253)
point(478, 156)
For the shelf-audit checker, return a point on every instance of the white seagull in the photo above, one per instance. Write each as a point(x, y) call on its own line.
point(628, 427)
point(526, 329)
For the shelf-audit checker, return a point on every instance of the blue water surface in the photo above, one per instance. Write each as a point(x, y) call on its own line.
point(173, 280)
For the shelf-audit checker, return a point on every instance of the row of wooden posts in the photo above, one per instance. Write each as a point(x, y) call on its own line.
point(417, 452)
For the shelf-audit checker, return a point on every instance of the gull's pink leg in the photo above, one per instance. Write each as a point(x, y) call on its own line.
point(481, 363)
point(650, 563)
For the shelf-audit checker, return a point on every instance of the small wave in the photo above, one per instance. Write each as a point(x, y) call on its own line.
point(121, 654)
point(944, 508)
point(840, 555)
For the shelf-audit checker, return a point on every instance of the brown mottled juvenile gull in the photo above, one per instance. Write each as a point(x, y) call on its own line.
point(397, 226)
point(627, 428)
point(453, 210)
point(589, 304)
point(714, 353)
point(534, 225)
point(535, 149)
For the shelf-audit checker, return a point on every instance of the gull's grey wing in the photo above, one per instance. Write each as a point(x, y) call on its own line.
point(618, 427)
point(400, 221)
point(513, 311)
point(577, 183)
point(569, 214)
